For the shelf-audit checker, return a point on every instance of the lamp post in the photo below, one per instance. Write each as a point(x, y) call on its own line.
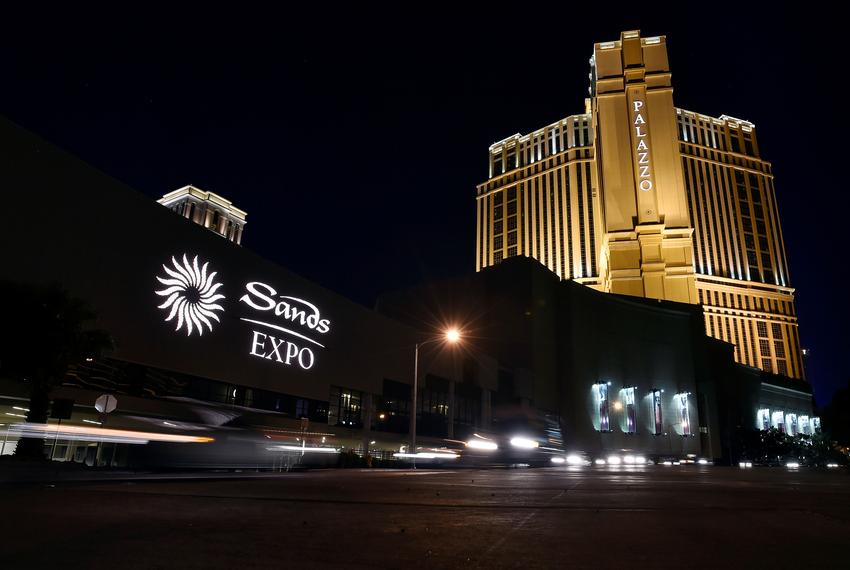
point(452, 336)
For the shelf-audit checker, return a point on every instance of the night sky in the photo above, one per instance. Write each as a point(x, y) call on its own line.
point(355, 144)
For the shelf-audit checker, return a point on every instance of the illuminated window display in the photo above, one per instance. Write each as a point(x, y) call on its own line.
point(629, 409)
point(657, 414)
point(601, 395)
point(763, 419)
point(684, 413)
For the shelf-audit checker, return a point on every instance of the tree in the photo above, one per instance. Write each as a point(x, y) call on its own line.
point(44, 329)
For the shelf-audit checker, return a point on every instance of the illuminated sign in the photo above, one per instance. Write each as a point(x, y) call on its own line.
point(290, 311)
point(192, 295)
point(287, 329)
point(642, 147)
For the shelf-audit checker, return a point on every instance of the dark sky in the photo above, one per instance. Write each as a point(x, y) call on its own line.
point(355, 142)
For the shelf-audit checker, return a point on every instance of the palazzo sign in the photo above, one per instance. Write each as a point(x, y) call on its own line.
point(284, 329)
point(642, 146)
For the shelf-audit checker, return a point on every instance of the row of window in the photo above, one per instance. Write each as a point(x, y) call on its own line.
point(392, 408)
point(789, 423)
point(778, 352)
point(709, 134)
point(626, 406)
point(746, 302)
point(536, 218)
point(735, 229)
point(570, 133)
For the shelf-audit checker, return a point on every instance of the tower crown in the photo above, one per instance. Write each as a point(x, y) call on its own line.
point(207, 209)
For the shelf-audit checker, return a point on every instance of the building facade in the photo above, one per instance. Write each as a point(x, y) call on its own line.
point(639, 197)
point(618, 375)
point(212, 339)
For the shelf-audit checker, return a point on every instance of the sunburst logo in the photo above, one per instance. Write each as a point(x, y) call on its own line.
point(191, 295)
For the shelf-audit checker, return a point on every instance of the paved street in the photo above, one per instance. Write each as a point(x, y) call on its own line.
point(659, 517)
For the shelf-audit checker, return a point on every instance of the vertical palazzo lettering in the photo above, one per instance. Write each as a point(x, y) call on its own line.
point(642, 148)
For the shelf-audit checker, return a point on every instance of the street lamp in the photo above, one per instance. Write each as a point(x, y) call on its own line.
point(451, 336)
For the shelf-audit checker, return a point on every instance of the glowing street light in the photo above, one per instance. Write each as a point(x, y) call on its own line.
point(451, 336)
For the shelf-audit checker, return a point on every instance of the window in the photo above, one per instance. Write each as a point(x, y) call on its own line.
point(302, 409)
point(815, 425)
point(629, 409)
point(791, 424)
point(657, 412)
point(763, 421)
point(392, 412)
point(684, 414)
point(497, 165)
point(777, 420)
point(804, 425)
point(344, 407)
point(601, 396)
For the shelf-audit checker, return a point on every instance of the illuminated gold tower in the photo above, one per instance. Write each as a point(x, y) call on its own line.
point(638, 197)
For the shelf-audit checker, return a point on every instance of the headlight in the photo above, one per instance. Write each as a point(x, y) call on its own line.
point(524, 442)
point(479, 442)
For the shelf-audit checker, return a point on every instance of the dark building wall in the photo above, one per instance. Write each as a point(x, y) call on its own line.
point(643, 344)
point(556, 339)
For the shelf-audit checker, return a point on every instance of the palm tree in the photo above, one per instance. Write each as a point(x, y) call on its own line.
point(44, 329)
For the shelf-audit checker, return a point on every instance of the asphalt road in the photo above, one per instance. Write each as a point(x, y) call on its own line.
point(646, 517)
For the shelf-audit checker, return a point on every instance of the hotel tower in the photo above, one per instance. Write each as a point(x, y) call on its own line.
point(639, 197)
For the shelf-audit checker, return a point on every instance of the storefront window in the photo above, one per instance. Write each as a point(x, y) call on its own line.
point(791, 424)
point(684, 413)
point(600, 392)
point(777, 420)
point(657, 412)
point(763, 419)
point(629, 409)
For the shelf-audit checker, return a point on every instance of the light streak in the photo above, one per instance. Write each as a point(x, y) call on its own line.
point(85, 433)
